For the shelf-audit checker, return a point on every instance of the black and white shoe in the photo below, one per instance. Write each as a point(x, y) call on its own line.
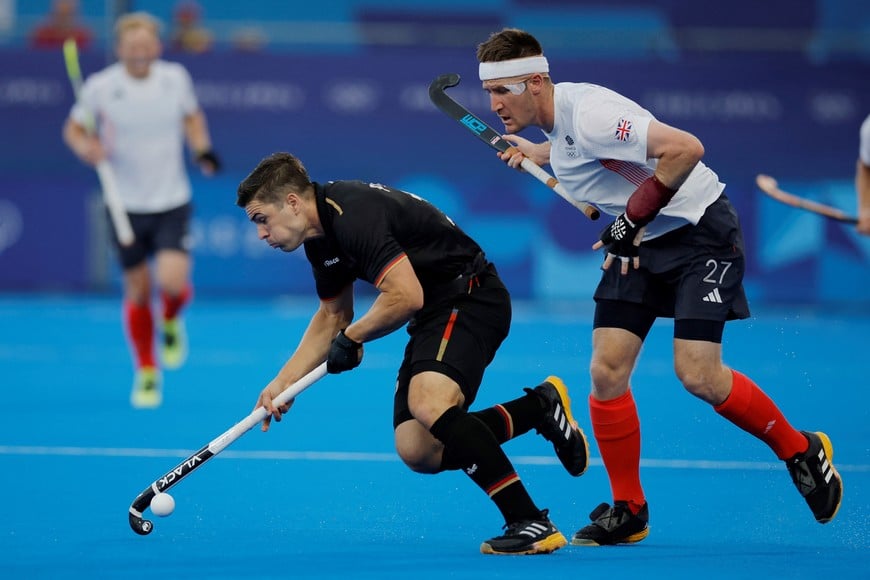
point(538, 536)
point(815, 477)
point(614, 525)
point(559, 427)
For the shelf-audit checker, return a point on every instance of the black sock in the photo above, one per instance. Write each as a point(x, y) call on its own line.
point(470, 445)
point(513, 418)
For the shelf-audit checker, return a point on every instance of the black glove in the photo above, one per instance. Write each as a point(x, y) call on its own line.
point(618, 238)
point(344, 354)
point(209, 158)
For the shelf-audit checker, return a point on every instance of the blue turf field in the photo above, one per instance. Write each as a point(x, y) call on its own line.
point(323, 496)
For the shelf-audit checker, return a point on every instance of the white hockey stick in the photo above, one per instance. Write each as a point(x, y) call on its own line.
point(144, 527)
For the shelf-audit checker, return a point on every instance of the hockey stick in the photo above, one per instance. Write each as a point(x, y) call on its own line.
point(438, 95)
point(111, 197)
point(768, 185)
point(142, 526)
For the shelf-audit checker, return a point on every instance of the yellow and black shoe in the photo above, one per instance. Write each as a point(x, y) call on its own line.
point(538, 536)
point(174, 343)
point(147, 392)
point(614, 525)
point(559, 427)
point(815, 477)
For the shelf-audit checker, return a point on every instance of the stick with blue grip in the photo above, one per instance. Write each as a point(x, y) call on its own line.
point(440, 98)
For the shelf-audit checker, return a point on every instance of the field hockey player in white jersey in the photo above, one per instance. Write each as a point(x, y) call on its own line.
point(673, 250)
point(145, 110)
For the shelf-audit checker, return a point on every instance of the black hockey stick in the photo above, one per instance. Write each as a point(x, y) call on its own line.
point(768, 185)
point(439, 96)
point(142, 526)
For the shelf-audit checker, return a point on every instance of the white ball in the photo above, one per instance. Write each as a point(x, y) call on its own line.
point(162, 504)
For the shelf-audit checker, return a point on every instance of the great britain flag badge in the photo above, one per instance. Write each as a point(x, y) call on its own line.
point(623, 130)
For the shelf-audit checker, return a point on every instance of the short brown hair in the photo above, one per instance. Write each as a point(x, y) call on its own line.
point(274, 177)
point(508, 44)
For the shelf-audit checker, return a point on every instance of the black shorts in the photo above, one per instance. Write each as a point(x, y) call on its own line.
point(694, 273)
point(458, 338)
point(168, 230)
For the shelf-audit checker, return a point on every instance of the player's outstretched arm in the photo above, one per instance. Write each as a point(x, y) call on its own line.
point(331, 317)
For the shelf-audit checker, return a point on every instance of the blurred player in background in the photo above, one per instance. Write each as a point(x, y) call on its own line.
point(608, 151)
point(145, 108)
point(862, 179)
point(431, 276)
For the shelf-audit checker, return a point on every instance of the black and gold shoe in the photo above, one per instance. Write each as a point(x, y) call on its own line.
point(815, 477)
point(538, 536)
point(559, 427)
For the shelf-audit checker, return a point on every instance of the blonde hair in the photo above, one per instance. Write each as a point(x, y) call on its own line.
point(135, 20)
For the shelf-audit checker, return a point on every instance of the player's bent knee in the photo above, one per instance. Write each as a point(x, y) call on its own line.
point(702, 385)
point(417, 448)
point(420, 461)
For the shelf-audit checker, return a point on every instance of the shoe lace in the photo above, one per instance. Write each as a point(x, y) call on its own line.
point(531, 528)
point(802, 477)
point(614, 517)
point(553, 413)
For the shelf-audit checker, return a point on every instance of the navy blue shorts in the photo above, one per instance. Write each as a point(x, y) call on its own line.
point(168, 230)
point(694, 273)
point(458, 338)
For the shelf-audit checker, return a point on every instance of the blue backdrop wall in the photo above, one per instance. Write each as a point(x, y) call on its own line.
point(367, 115)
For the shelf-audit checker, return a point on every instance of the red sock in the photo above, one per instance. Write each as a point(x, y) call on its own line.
point(617, 431)
point(140, 327)
point(172, 305)
point(750, 409)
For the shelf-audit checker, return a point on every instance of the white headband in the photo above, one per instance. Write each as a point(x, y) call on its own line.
point(514, 67)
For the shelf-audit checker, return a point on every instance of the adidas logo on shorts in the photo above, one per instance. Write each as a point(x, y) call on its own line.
point(713, 296)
